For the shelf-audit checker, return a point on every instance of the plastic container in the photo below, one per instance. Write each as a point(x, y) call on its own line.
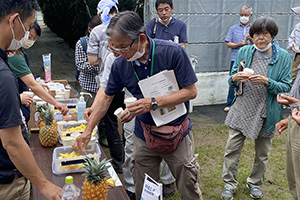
point(73, 164)
point(70, 191)
point(62, 130)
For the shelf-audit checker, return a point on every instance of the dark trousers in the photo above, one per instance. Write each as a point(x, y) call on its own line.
point(112, 134)
point(230, 96)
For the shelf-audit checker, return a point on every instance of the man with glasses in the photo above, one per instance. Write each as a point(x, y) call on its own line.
point(237, 37)
point(17, 165)
point(97, 53)
point(166, 27)
point(141, 57)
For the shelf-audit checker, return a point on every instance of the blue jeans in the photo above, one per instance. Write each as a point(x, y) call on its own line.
point(230, 96)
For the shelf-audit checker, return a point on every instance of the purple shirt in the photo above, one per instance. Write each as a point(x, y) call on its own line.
point(236, 34)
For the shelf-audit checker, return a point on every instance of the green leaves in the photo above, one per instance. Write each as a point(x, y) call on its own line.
point(96, 172)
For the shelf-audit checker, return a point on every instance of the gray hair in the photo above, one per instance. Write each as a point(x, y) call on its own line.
point(127, 23)
point(246, 7)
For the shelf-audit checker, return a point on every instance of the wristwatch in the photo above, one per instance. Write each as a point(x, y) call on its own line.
point(154, 105)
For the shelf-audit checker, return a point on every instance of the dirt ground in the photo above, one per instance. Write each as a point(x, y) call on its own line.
point(62, 56)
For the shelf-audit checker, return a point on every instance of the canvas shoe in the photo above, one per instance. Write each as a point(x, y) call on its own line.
point(227, 194)
point(226, 109)
point(255, 192)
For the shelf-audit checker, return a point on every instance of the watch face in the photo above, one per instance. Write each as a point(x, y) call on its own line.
point(154, 106)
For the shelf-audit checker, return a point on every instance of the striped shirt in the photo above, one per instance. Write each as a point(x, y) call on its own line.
point(236, 34)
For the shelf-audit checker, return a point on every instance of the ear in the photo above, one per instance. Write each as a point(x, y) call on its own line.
point(89, 30)
point(12, 19)
point(143, 38)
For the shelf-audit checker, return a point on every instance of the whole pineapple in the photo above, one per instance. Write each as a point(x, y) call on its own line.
point(95, 184)
point(48, 133)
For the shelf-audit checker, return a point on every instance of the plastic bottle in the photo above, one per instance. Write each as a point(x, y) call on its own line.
point(81, 105)
point(70, 191)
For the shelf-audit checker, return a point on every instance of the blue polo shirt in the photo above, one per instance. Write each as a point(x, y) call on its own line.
point(167, 56)
point(175, 28)
point(10, 116)
point(236, 34)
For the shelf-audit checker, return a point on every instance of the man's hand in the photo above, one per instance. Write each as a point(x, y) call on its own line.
point(139, 107)
point(81, 142)
point(51, 191)
point(126, 116)
point(259, 80)
point(63, 108)
point(87, 114)
point(282, 125)
point(26, 99)
point(241, 76)
point(249, 38)
point(296, 115)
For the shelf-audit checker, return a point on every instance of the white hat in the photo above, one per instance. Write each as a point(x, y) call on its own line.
point(296, 10)
point(106, 4)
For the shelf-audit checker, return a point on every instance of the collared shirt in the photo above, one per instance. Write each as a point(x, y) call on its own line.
point(236, 34)
point(87, 72)
point(10, 116)
point(167, 32)
point(167, 56)
point(294, 38)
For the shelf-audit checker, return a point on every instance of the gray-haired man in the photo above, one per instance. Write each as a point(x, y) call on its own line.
point(140, 58)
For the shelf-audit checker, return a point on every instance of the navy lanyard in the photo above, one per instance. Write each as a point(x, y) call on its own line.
point(152, 63)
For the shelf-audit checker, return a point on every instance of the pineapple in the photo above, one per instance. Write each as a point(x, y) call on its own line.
point(40, 110)
point(48, 133)
point(95, 185)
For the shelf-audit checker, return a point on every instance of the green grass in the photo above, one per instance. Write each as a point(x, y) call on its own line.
point(210, 141)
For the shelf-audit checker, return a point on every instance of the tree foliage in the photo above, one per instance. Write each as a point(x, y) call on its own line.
point(69, 18)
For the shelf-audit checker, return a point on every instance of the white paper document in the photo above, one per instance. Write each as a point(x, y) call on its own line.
point(162, 84)
point(152, 190)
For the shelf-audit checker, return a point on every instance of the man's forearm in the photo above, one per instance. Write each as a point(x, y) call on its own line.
point(100, 106)
point(21, 155)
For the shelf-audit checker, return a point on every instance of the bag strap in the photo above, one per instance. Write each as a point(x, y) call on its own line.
point(84, 47)
point(83, 43)
point(155, 28)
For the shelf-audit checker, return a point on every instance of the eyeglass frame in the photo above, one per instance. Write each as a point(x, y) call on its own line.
point(122, 49)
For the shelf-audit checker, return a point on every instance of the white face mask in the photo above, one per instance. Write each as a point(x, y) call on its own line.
point(244, 20)
point(264, 49)
point(17, 44)
point(138, 54)
point(28, 43)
